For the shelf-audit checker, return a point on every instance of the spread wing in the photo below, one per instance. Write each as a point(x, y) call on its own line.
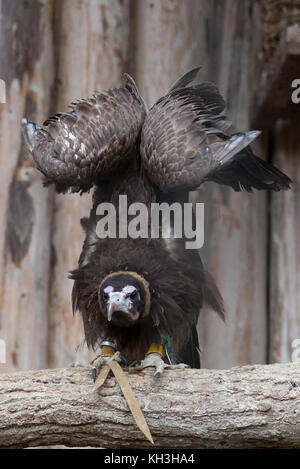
point(94, 139)
point(183, 144)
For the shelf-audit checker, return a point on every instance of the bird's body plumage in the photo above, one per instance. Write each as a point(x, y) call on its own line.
point(112, 142)
point(176, 286)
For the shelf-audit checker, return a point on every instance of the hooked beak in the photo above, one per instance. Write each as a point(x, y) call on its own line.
point(117, 302)
point(111, 308)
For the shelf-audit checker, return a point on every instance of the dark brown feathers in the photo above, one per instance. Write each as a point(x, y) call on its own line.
point(93, 140)
point(248, 172)
point(178, 284)
point(176, 297)
point(112, 142)
point(183, 141)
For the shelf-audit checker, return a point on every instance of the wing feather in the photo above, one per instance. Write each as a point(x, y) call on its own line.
point(183, 143)
point(94, 139)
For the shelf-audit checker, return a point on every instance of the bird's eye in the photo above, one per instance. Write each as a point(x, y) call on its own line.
point(133, 295)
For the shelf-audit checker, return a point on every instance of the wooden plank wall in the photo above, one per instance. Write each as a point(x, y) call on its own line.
point(27, 67)
point(285, 249)
point(235, 234)
point(67, 50)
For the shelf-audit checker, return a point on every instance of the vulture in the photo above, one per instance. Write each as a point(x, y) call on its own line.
point(140, 297)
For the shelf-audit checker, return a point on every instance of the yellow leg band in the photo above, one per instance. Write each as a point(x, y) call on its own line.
point(107, 351)
point(156, 348)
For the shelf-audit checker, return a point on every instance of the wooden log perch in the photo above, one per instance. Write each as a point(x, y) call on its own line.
point(243, 407)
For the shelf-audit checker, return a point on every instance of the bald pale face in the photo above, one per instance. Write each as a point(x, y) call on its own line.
point(121, 305)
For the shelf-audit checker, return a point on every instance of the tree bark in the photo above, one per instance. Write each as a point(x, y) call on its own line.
point(253, 406)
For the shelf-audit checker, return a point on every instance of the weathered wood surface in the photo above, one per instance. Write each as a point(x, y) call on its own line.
point(27, 67)
point(235, 223)
point(277, 16)
point(278, 54)
point(244, 407)
point(285, 249)
point(168, 38)
point(273, 97)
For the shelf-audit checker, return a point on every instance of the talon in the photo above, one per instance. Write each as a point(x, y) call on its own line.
point(94, 373)
point(133, 366)
point(153, 359)
point(124, 360)
point(134, 363)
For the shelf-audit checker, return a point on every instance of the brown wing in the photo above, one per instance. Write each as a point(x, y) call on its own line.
point(93, 140)
point(183, 144)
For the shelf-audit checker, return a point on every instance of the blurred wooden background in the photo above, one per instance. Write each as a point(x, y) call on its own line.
point(54, 51)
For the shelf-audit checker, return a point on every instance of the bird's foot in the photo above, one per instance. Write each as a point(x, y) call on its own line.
point(154, 357)
point(155, 360)
point(108, 353)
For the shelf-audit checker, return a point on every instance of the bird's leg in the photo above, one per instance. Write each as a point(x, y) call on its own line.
point(155, 357)
point(108, 352)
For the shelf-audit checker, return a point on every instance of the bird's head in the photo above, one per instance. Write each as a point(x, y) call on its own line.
point(124, 298)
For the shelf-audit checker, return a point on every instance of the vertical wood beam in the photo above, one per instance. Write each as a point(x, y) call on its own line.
point(168, 38)
point(26, 66)
point(236, 223)
point(285, 248)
